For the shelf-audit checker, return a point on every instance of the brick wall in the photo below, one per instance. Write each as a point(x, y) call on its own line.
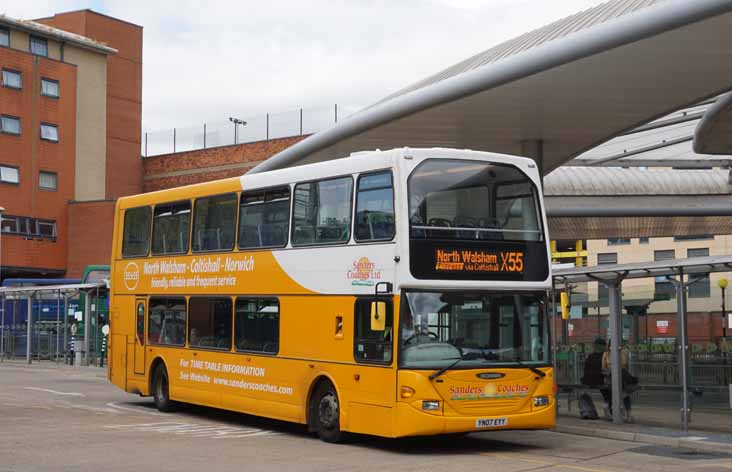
point(90, 235)
point(184, 168)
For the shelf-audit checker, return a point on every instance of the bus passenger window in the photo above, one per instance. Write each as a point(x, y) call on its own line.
point(171, 228)
point(136, 238)
point(265, 218)
point(214, 223)
point(372, 345)
point(322, 212)
point(209, 322)
point(257, 325)
point(375, 208)
point(166, 322)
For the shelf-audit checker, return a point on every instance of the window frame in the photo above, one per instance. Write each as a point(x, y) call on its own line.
point(55, 176)
point(12, 71)
point(49, 125)
point(31, 39)
point(8, 182)
point(5, 32)
point(39, 222)
point(12, 117)
point(231, 322)
point(290, 203)
point(292, 212)
point(279, 325)
point(150, 301)
point(390, 309)
point(58, 86)
point(194, 211)
point(149, 232)
point(355, 205)
point(152, 229)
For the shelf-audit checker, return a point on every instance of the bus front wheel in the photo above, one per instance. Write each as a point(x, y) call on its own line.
point(326, 409)
point(161, 390)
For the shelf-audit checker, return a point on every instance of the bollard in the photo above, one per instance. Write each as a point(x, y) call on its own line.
point(77, 360)
point(730, 396)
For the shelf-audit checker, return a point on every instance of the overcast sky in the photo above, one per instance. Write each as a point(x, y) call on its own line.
point(206, 61)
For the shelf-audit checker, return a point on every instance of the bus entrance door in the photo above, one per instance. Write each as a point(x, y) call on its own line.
point(140, 310)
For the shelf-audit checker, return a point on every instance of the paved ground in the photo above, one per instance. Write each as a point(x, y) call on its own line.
point(71, 419)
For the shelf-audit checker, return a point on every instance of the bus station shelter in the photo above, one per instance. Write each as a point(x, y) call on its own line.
point(682, 273)
point(61, 293)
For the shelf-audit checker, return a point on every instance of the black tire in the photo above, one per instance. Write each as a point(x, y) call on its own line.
point(326, 411)
point(161, 391)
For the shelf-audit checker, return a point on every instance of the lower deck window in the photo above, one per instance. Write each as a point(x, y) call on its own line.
point(166, 322)
point(209, 323)
point(257, 325)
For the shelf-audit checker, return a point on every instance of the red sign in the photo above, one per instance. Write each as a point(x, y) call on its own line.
point(662, 327)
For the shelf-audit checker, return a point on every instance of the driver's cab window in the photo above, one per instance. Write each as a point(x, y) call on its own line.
point(374, 331)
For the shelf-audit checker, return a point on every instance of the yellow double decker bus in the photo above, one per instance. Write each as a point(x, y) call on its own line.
point(390, 293)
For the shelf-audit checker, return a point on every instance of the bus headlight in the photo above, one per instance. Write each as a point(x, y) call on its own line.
point(541, 401)
point(430, 405)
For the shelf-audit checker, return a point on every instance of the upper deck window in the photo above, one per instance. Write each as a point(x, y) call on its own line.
point(472, 200)
point(214, 224)
point(265, 218)
point(136, 237)
point(171, 228)
point(322, 212)
point(375, 207)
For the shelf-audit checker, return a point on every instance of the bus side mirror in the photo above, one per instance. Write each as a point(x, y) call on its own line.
point(378, 316)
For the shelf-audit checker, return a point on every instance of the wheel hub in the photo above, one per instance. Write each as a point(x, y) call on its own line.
point(328, 411)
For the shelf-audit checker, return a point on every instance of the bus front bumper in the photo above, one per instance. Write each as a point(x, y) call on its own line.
point(412, 422)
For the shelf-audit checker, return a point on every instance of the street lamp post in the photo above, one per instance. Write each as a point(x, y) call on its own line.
point(237, 122)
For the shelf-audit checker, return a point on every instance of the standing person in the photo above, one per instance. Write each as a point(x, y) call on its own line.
point(72, 342)
point(626, 379)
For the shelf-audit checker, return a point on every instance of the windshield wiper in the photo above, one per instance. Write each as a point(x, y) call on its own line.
point(464, 357)
point(533, 369)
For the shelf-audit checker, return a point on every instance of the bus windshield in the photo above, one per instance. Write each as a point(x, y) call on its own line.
point(452, 199)
point(438, 328)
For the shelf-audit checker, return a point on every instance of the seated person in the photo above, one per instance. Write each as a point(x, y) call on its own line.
point(593, 374)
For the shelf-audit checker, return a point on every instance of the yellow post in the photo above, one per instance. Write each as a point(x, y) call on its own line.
point(578, 262)
point(553, 245)
point(564, 302)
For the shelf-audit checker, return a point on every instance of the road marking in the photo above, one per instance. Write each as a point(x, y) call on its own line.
point(194, 430)
point(55, 392)
point(136, 410)
point(542, 463)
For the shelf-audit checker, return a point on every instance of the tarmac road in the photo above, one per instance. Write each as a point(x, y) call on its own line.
point(66, 419)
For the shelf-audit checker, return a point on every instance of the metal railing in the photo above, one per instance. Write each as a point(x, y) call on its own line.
point(241, 130)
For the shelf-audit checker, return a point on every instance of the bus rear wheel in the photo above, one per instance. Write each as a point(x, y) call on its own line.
point(161, 390)
point(326, 409)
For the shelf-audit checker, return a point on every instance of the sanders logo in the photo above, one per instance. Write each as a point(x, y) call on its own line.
point(363, 272)
point(490, 375)
point(131, 275)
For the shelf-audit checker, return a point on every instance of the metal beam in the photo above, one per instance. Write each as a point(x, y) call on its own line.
point(28, 341)
point(616, 344)
point(641, 150)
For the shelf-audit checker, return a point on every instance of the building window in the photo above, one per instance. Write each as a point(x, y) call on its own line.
point(12, 79)
point(265, 218)
point(9, 175)
point(166, 322)
point(50, 88)
point(701, 286)
point(47, 180)
point(136, 234)
point(257, 325)
point(214, 223)
point(10, 124)
point(664, 288)
point(322, 212)
point(46, 228)
point(26, 226)
point(603, 297)
point(375, 208)
point(171, 228)
point(38, 46)
point(644, 240)
point(693, 237)
point(209, 322)
point(618, 241)
point(4, 37)
point(49, 132)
